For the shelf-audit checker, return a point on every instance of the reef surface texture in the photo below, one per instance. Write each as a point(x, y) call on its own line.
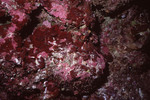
point(74, 50)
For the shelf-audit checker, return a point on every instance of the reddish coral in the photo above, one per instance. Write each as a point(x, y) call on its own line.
point(66, 50)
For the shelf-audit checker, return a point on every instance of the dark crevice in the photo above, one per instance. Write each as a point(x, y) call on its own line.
point(97, 7)
point(23, 94)
point(4, 19)
point(96, 26)
point(143, 4)
point(95, 29)
point(80, 3)
point(28, 29)
point(145, 67)
point(146, 48)
point(99, 82)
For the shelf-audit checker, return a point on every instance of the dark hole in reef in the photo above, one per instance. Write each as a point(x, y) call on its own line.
point(28, 29)
point(80, 3)
point(146, 49)
point(23, 94)
point(16, 98)
point(4, 19)
point(66, 91)
point(145, 67)
point(143, 4)
point(95, 29)
point(97, 7)
point(100, 81)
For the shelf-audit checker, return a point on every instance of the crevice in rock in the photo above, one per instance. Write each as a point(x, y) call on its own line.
point(146, 49)
point(34, 21)
point(99, 82)
point(4, 19)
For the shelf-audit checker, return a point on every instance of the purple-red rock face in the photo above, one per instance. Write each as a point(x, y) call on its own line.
point(58, 50)
point(61, 50)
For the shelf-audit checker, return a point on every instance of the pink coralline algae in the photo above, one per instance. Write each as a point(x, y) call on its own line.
point(53, 53)
point(67, 58)
point(59, 10)
point(74, 50)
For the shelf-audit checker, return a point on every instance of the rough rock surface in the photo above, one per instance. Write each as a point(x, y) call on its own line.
point(74, 50)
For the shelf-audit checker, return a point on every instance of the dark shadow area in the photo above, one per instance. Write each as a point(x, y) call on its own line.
point(97, 7)
point(145, 67)
point(146, 50)
point(143, 4)
point(95, 31)
point(67, 89)
point(28, 29)
point(99, 82)
point(4, 19)
point(23, 94)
